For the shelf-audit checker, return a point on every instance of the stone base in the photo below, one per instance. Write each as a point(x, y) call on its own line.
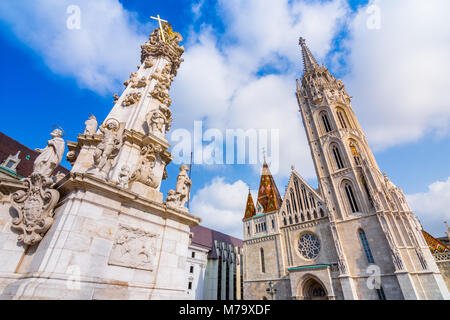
point(146, 191)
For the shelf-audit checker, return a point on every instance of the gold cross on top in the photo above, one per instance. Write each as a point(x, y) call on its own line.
point(160, 27)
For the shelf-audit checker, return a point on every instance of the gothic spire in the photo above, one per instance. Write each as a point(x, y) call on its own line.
point(309, 62)
point(268, 195)
point(250, 210)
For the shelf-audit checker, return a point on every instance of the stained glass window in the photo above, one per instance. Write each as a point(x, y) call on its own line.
point(309, 246)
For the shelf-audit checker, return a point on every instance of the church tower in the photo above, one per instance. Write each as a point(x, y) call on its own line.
point(370, 220)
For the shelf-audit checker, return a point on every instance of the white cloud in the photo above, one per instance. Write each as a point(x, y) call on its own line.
point(399, 73)
point(218, 82)
point(432, 207)
point(99, 55)
point(221, 205)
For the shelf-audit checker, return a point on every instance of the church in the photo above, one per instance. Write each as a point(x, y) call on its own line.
point(355, 237)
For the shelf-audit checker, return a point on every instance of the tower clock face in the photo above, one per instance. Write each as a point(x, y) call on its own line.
point(309, 246)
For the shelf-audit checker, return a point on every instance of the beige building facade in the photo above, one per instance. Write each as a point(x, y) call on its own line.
point(355, 237)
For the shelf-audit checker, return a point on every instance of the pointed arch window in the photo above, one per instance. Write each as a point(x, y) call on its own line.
point(297, 192)
point(290, 219)
point(337, 157)
point(305, 200)
point(263, 265)
point(288, 206)
point(355, 154)
point(351, 197)
point(321, 212)
point(342, 117)
point(366, 189)
point(366, 247)
point(326, 122)
point(315, 214)
point(302, 217)
point(308, 216)
point(296, 219)
point(311, 199)
point(294, 204)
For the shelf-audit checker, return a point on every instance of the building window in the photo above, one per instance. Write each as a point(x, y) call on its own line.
point(297, 192)
point(321, 212)
point(227, 279)
point(380, 293)
point(191, 269)
point(309, 246)
point(337, 157)
point(10, 164)
point(308, 216)
point(342, 118)
point(315, 214)
point(305, 200)
point(355, 154)
point(294, 204)
point(263, 265)
point(288, 206)
point(351, 198)
point(366, 246)
point(219, 278)
point(273, 224)
point(190, 285)
point(193, 254)
point(284, 221)
point(290, 219)
point(302, 216)
point(248, 229)
point(296, 218)
point(326, 123)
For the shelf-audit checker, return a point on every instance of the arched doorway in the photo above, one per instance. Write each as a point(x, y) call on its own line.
point(313, 290)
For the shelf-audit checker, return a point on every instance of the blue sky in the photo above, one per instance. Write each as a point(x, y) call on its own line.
point(240, 55)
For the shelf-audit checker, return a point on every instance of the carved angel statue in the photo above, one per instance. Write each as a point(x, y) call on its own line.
point(91, 125)
point(180, 196)
point(50, 157)
point(108, 149)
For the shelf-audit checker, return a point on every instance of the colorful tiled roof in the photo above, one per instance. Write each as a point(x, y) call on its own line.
point(250, 210)
point(435, 245)
point(268, 195)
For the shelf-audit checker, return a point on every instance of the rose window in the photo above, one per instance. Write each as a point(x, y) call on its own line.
point(309, 246)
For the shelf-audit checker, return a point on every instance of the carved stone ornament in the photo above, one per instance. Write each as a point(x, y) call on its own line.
point(35, 208)
point(178, 197)
point(144, 172)
point(50, 157)
point(133, 248)
point(169, 48)
point(91, 125)
point(107, 150)
point(131, 99)
point(116, 97)
point(124, 177)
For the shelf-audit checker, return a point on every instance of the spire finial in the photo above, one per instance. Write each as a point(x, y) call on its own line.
point(309, 62)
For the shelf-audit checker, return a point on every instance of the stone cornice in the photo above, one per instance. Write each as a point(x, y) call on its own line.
point(80, 181)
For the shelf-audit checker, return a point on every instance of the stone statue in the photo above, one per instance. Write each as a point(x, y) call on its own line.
point(180, 196)
point(50, 157)
point(35, 204)
point(108, 149)
point(124, 177)
point(156, 121)
point(91, 125)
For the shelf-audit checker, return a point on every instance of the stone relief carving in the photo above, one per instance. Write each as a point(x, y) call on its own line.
point(144, 172)
point(35, 208)
point(133, 79)
point(91, 125)
point(159, 120)
point(35, 204)
point(133, 248)
point(180, 195)
point(131, 99)
point(124, 177)
point(107, 150)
